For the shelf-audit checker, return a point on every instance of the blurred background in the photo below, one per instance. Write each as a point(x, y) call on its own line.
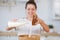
point(48, 10)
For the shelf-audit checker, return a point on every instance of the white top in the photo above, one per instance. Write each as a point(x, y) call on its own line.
point(24, 26)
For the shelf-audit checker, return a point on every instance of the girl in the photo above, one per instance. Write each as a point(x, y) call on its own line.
point(34, 23)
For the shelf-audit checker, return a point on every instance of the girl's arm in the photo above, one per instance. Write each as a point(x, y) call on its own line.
point(10, 28)
point(45, 26)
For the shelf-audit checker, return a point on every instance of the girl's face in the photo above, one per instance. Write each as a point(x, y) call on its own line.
point(30, 10)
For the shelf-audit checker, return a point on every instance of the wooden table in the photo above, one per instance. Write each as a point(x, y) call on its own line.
point(8, 34)
point(14, 34)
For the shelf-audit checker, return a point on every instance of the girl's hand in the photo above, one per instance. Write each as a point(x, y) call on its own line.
point(10, 28)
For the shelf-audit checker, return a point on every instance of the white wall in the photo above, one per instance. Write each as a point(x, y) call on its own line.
point(44, 10)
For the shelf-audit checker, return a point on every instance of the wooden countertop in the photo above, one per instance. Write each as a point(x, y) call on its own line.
point(14, 34)
point(8, 34)
point(50, 34)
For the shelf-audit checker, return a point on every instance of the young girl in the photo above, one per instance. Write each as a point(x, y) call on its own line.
point(31, 30)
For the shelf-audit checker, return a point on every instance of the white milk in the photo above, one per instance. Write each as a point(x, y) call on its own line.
point(12, 23)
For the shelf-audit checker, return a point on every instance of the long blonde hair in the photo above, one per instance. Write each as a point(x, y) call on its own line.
point(34, 21)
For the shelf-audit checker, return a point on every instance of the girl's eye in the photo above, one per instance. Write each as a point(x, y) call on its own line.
point(28, 8)
point(32, 9)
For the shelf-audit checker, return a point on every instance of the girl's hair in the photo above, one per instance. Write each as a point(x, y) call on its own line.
point(30, 2)
point(34, 21)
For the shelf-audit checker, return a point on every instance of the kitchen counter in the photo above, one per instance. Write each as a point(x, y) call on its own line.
point(14, 34)
point(50, 34)
point(8, 34)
